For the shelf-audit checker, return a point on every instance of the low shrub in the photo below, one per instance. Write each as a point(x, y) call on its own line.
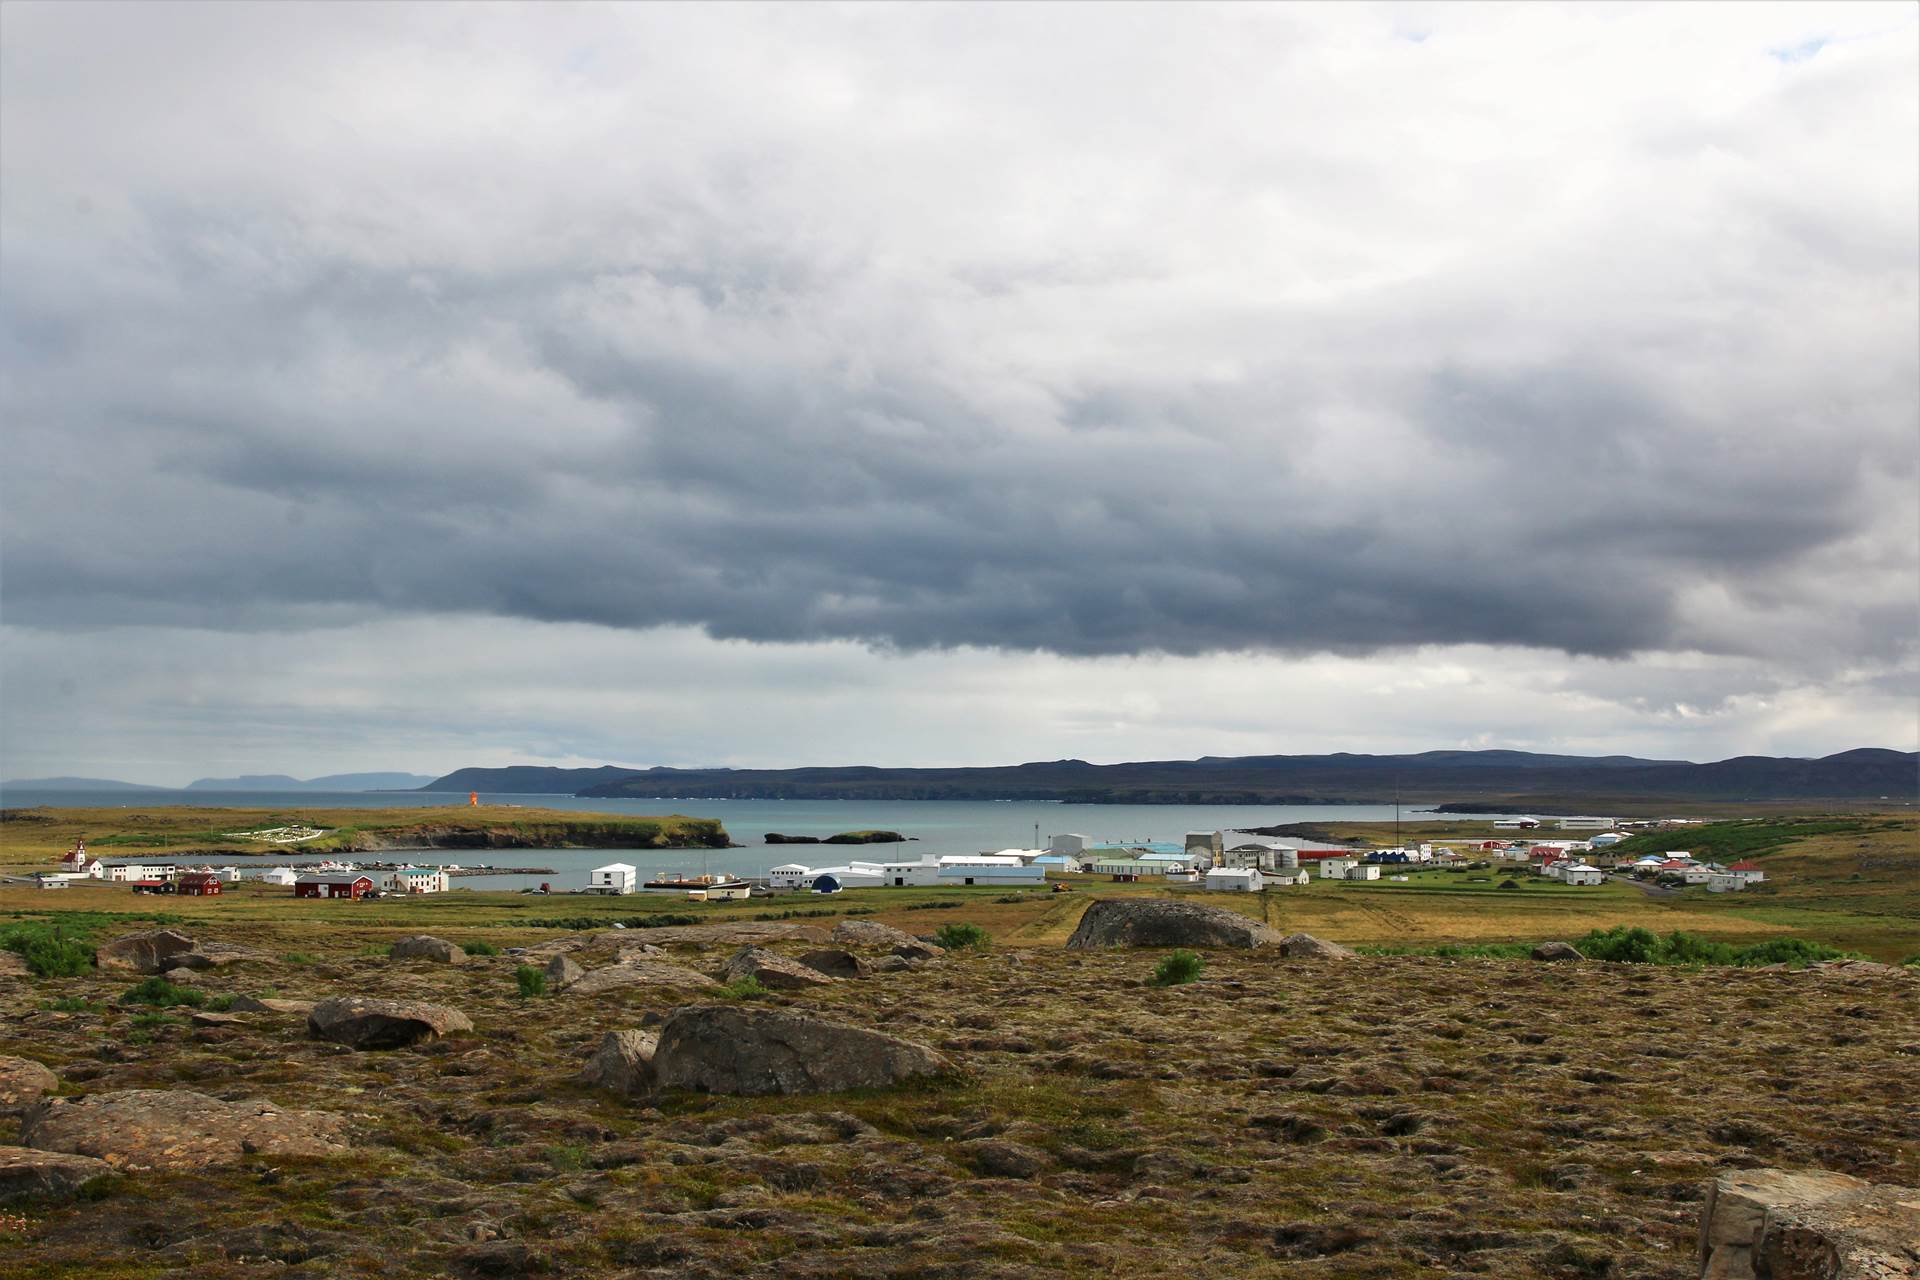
point(49, 949)
point(479, 948)
point(1176, 968)
point(300, 957)
point(748, 988)
point(532, 981)
point(71, 1004)
point(1626, 945)
point(955, 937)
point(161, 994)
point(153, 1019)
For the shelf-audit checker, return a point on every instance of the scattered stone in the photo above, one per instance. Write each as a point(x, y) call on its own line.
point(870, 933)
point(178, 1129)
point(837, 964)
point(737, 933)
point(1815, 1225)
point(563, 972)
point(270, 1004)
point(890, 964)
point(1165, 922)
point(208, 1018)
point(919, 950)
point(1557, 951)
point(22, 1080)
point(774, 972)
point(633, 955)
point(1304, 946)
point(652, 973)
point(422, 946)
point(623, 1063)
point(26, 1172)
point(723, 1049)
point(181, 977)
point(360, 1023)
point(998, 1159)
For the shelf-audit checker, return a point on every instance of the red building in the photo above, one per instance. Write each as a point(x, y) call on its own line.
point(343, 885)
point(198, 884)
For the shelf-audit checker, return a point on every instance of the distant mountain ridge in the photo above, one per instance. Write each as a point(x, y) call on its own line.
point(77, 784)
point(1513, 779)
point(330, 782)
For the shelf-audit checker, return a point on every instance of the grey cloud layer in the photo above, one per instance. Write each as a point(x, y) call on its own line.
point(924, 331)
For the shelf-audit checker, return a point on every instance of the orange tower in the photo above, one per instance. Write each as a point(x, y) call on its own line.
point(473, 798)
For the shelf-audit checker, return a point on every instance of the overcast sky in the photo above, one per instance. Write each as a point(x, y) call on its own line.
point(416, 386)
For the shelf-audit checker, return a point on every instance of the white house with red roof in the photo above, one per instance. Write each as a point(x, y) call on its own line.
point(1748, 870)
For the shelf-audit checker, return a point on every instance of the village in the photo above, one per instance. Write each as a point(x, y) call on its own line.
point(1226, 860)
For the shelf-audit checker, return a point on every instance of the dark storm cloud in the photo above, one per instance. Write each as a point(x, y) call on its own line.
point(788, 385)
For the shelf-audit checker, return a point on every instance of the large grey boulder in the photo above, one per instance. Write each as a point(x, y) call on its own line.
point(1557, 951)
point(153, 951)
point(774, 972)
point(26, 1172)
point(382, 1024)
point(422, 946)
point(623, 1062)
point(1778, 1224)
point(22, 1080)
point(1166, 922)
point(159, 950)
point(726, 1049)
point(1304, 946)
point(177, 1129)
point(651, 973)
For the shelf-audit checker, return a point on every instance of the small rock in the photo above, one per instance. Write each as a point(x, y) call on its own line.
point(26, 1172)
point(208, 1018)
point(998, 1159)
point(919, 950)
point(773, 971)
point(180, 977)
point(1557, 951)
point(837, 964)
point(270, 1004)
point(623, 1063)
point(1304, 946)
point(361, 1023)
point(22, 1080)
point(422, 946)
point(563, 972)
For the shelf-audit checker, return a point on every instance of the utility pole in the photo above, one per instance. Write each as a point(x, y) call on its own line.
point(1396, 813)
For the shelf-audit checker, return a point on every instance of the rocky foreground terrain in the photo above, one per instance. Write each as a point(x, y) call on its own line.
point(1291, 1113)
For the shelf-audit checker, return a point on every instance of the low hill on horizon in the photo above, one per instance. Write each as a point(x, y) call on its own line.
point(1516, 780)
point(329, 782)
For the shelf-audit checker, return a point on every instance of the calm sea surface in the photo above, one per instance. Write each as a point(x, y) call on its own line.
point(937, 826)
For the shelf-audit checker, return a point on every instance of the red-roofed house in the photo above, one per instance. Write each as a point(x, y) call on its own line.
point(198, 884)
point(1747, 870)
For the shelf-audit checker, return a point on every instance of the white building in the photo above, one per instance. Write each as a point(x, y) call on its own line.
point(1205, 847)
point(280, 875)
point(131, 871)
point(1515, 824)
point(1235, 880)
point(786, 876)
point(1606, 838)
point(1336, 868)
point(857, 875)
point(1726, 882)
point(615, 877)
point(1585, 824)
point(1582, 874)
point(421, 880)
point(1363, 871)
point(990, 869)
point(1071, 844)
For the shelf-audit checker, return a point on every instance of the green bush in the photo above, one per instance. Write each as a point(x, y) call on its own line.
point(532, 981)
point(1622, 943)
point(48, 948)
point(748, 988)
point(300, 957)
point(955, 937)
point(1509, 884)
point(71, 1004)
point(479, 948)
point(1642, 946)
point(1176, 968)
point(161, 994)
point(1796, 953)
point(221, 1003)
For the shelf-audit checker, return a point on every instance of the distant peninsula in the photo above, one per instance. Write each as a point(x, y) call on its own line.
point(1488, 780)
